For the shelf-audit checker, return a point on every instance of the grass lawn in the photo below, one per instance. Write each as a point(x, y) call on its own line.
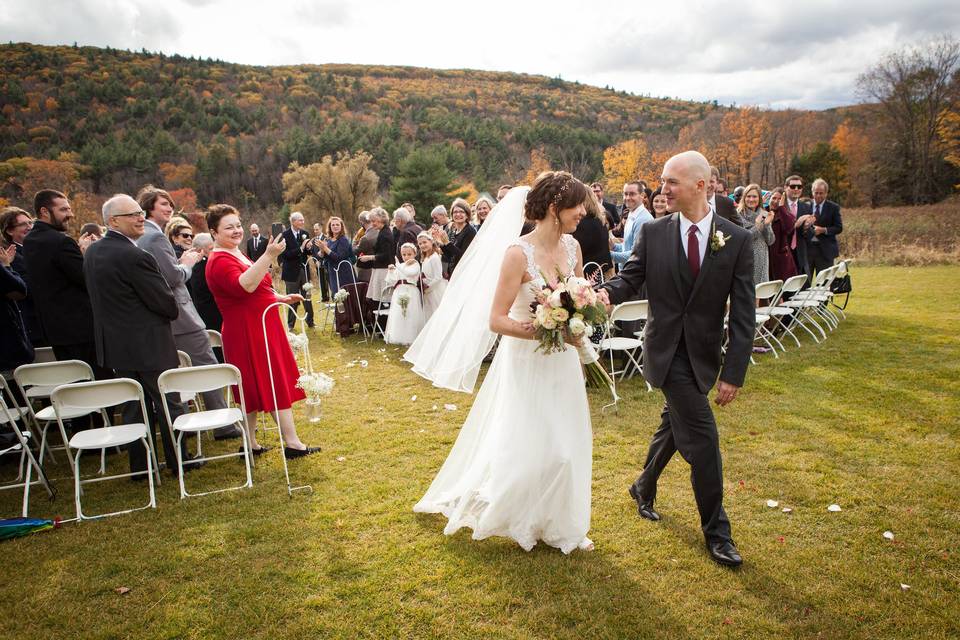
point(868, 420)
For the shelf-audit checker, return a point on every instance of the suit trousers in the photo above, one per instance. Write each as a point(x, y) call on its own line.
point(816, 261)
point(152, 398)
point(687, 425)
point(296, 286)
point(196, 344)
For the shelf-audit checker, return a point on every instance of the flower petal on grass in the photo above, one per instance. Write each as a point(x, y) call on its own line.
point(787, 510)
point(888, 535)
point(834, 508)
point(413, 398)
point(122, 590)
point(450, 407)
point(904, 587)
point(772, 503)
point(341, 459)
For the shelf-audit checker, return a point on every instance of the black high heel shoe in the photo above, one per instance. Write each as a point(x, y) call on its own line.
point(291, 454)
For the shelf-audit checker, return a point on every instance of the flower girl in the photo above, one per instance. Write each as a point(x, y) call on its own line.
point(432, 274)
point(406, 306)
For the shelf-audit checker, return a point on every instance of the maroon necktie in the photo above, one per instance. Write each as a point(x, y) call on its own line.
point(693, 252)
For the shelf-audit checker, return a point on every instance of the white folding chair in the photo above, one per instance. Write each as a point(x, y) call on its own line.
point(775, 309)
point(9, 416)
point(625, 312)
point(216, 339)
point(50, 375)
point(381, 313)
point(769, 291)
point(198, 380)
point(805, 303)
point(98, 395)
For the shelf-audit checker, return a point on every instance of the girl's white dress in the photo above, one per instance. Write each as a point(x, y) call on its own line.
point(436, 285)
point(521, 465)
point(403, 326)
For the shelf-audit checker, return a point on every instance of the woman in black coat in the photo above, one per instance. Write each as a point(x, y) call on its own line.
point(593, 235)
point(382, 256)
point(456, 240)
point(15, 348)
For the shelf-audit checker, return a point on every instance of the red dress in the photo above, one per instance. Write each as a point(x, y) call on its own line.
point(243, 345)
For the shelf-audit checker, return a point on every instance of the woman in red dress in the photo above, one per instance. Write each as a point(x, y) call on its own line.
point(242, 290)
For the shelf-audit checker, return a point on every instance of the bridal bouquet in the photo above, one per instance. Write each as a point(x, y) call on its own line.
point(571, 307)
point(404, 301)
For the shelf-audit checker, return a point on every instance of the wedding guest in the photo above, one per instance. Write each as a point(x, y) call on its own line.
point(180, 234)
point(336, 248)
point(15, 347)
point(15, 224)
point(363, 222)
point(243, 290)
point(440, 217)
point(781, 261)
point(199, 289)
point(610, 209)
point(406, 228)
point(798, 209)
point(293, 265)
point(753, 218)
point(380, 257)
point(189, 329)
point(412, 209)
point(659, 204)
point(133, 307)
point(592, 233)
point(635, 215)
point(483, 209)
point(55, 279)
point(323, 275)
point(364, 243)
point(720, 204)
point(821, 228)
point(503, 190)
point(456, 240)
point(256, 243)
point(93, 230)
point(406, 305)
point(721, 189)
point(434, 283)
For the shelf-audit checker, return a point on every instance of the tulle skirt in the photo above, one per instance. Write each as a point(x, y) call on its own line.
point(521, 465)
point(404, 325)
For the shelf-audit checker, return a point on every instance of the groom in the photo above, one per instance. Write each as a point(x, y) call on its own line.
point(691, 262)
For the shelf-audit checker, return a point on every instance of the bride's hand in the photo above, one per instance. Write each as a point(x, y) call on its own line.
point(527, 328)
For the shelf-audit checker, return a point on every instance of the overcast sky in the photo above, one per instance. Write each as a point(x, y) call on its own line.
point(771, 53)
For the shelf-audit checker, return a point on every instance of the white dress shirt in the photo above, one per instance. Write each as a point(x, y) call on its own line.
point(703, 236)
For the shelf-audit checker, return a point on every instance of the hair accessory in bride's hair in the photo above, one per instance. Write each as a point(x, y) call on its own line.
point(559, 196)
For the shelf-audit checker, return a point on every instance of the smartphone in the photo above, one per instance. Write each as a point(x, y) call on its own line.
point(276, 229)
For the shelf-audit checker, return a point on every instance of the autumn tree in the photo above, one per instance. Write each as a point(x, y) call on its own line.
point(746, 131)
point(823, 161)
point(341, 187)
point(538, 164)
point(949, 133)
point(854, 145)
point(425, 181)
point(631, 160)
point(912, 89)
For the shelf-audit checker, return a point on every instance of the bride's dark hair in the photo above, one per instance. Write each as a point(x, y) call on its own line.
point(558, 188)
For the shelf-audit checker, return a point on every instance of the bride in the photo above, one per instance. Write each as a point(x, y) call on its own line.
point(521, 465)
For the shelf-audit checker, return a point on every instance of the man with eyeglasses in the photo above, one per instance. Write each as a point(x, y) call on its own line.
point(793, 186)
point(189, 331)
point(133, 307)
point(54, 263)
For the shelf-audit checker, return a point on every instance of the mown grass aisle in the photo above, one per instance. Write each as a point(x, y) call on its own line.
point(867, 420)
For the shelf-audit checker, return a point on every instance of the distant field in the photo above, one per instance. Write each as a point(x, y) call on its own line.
point(903, 235)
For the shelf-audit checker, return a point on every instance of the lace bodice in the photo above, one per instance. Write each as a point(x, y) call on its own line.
point(520, 310)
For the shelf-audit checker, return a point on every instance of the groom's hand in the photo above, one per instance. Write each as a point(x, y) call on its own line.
point(726, 393)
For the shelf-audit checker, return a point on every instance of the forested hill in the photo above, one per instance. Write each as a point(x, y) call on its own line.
point(229, 130)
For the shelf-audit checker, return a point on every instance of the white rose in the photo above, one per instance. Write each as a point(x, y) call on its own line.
point(554, 298)
point(577, 326)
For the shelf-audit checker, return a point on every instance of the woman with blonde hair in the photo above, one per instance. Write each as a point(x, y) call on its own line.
point(482, 208)
point(752, 217)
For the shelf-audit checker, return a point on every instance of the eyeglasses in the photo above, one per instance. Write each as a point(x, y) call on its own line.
point(795, 186)
point(186, 235)
point(142, 214)
point(25, 223)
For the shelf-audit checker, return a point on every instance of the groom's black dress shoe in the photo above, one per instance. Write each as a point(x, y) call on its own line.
point(644, 507)
point(724, 552)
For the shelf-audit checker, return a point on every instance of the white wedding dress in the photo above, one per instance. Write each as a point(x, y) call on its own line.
point(521, 466)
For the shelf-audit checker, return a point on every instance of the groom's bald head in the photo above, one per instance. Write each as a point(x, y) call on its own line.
point(684, 182)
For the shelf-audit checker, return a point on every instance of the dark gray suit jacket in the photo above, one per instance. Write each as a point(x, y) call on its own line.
point(694, 310)
point(155, 242)
point(132, 306)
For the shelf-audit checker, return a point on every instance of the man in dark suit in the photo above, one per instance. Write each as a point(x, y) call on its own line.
point(610, 209)
point(54, 263)
point(720, 204)
point(132, 310)
point(691, 261)
point(406, 229)
point(256, 243)
point(793, 187)
point(293, 265)
point(820, 229)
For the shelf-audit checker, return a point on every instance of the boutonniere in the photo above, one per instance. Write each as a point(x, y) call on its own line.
point(717, 239)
